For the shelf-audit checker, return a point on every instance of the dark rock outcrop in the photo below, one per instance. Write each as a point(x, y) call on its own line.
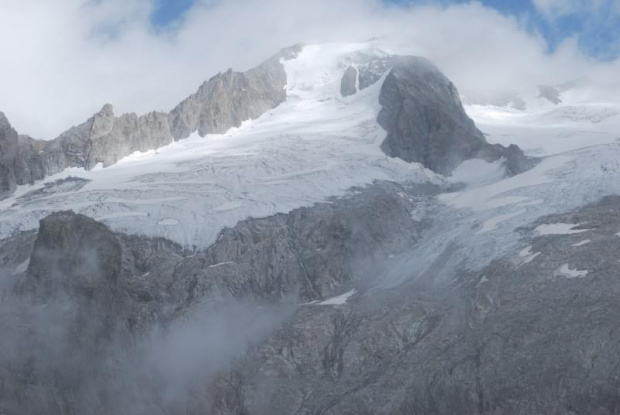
point(75, 255)
point(348, 85)
point(8, 152)
point(426, 123)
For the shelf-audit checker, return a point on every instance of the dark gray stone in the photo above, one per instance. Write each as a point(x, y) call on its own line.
point(348, 85)
point(516, 338)
point(8, 152)
point(426, 123)
point(102, 297)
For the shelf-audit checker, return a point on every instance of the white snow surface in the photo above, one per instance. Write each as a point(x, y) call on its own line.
point(559, 229)
point(339, 300)
point(21, 268)
point(314, 146)
point(582, 243)
point(527, 255)
point(567, 272)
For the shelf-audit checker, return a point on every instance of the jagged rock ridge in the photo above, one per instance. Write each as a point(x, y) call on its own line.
point(223, 102)
point(8, 152)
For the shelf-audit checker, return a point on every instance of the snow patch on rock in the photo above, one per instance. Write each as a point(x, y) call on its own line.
point(339, 300)
point(567, 272)
point(559, 229)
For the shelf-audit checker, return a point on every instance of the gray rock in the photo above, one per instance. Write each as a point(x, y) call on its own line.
point(348, 85)
point(519, 337)
point(106, 296)
point(106, 139)
point(8, 152)
point(426, 123)
point(306, 255)
point(73, 254)
point(29, 162)
point(229, 98)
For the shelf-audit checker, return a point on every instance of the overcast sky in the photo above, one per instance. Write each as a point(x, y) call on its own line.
point(62, 60)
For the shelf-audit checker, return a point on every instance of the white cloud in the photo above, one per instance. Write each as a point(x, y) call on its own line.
point(62, 60)
point(554, 9)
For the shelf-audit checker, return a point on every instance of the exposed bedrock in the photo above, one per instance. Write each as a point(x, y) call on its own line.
point(426, 123)
point(87, 304)
point(531, 333)
point(534, 333)
point(8, 153)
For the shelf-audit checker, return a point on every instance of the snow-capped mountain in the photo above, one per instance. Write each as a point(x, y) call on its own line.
point(309, 143)
point(327, 233)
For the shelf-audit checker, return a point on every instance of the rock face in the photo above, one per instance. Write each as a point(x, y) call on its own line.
point(8, 152)
point(74, 254)
point(348, 85)
point(522, 336)
point(106, 138)
point(308, 254)
point(100, 301)
point(228, 99)
point(426, 123)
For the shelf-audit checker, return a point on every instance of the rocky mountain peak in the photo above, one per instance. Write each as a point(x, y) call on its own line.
point(4, 121)
point(106, 111)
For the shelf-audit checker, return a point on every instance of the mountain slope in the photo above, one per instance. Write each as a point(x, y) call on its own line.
point(291, 266)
